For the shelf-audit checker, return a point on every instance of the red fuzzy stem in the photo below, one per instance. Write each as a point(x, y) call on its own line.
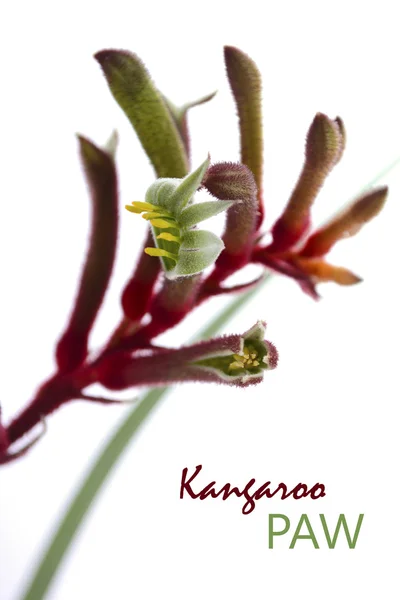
point(280, 265)
point(4, 441)
point(137, 294)
point(50, 396)
point(168, 365)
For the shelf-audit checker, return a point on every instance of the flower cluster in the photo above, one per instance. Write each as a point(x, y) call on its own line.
point(180, 265)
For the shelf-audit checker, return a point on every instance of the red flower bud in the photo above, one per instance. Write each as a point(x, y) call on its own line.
point(324, 148)
point(102, 180)
point(347, 223)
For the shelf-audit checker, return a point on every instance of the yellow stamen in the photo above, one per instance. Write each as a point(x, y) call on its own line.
point(141, 206)
point(255, 363)
point(153, 215)
point(132, 209)
point(161, 252)
point(169, 237)
point(236, 365)
point(162, 224)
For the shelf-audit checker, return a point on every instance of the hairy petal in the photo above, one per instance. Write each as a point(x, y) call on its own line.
point(198, 250)
point(324, 148)
point(133, 89)
point(347, 223)
point(245, 81)
point(102, 181)
point(186, 189)
point(201, 212)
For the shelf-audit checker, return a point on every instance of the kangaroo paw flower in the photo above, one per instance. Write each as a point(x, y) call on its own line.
point(182, 249)
point(324, 148)
point(233, 360)
point(234, 183)
point(320, 271)
point(101, 176)
point(133, 89)
point(346, 224)
point(245, 81)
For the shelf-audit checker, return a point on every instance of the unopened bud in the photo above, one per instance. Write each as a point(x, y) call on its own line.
point(347, 223)
point(324, 147)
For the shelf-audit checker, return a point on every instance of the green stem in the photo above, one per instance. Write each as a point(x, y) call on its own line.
point(103, 466)
point(381, 175)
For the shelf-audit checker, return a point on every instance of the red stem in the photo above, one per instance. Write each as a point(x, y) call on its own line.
point(61, 388)
point(54, 392)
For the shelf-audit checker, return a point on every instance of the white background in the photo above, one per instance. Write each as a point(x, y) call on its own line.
point(328, 413)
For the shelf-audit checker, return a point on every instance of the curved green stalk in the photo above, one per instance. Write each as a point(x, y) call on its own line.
point(380, 175)
point(106, 461)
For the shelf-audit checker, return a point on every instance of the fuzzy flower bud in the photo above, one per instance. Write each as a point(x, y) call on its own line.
point(234, 183)
point(347, 223)
point(324, 148)
point(101, 175)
